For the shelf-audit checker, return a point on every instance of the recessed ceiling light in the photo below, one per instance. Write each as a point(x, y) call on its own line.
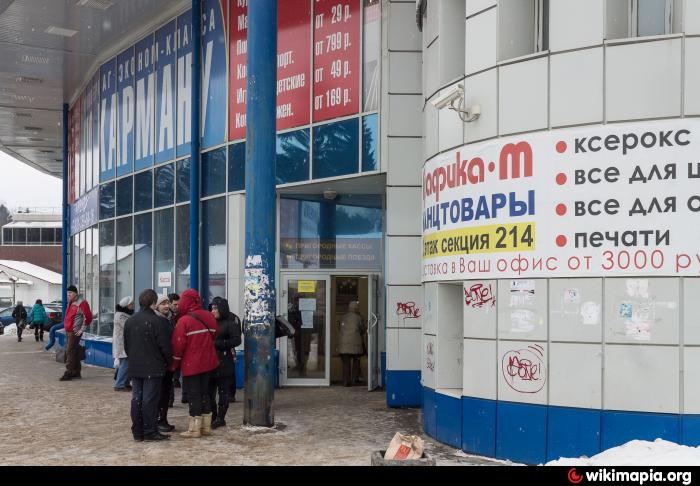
point(101, 4)
point(32, 59)
point(28, 80)
point(33, 129)
point(52, 29)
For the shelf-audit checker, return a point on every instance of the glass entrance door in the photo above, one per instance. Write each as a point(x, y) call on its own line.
point(304, 358)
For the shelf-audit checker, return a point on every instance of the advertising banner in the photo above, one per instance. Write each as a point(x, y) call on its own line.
point(125, 88)
point(337, 50)
point(95, 128)
point(184, 83)
point(145, 103)
point(84, 212)
point(238, 75)
point(214, 72)
point(293, 64)
point(614, 200)
point(108, 120)
point(165, 92)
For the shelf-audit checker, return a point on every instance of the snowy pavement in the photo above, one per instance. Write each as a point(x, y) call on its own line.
point(85, 422)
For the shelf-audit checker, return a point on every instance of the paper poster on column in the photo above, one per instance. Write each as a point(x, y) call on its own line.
point(166, 78)
point(613, 200)
point(214, 72)
point(108, 120)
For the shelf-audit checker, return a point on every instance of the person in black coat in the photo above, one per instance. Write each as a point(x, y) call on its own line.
point(147, 343)
point(20, 316)
point(229, 337)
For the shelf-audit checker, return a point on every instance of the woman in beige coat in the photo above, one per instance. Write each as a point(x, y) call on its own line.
point(351, 343)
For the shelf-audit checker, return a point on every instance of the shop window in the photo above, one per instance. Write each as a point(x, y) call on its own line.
point(370, 143)
point(107, 284)
point(164, 185)
point(641, 18)
point(125, 260)
point(214, 172)
point(336, 149)
point(125, 196)
point(33, 236)
point(75, 259)
point(19, 236)
point(143, 191)
point(143, 252)
point(183, 180)
point(292, 156)
point(523, 27)
point(95, 282)
point(107, 201)
point(87, 282)
point(371, 72)
point(7, 236)
point(163, 245)
point(83, 254)
point(213, 249)
point(182, 248)
point(236, 167)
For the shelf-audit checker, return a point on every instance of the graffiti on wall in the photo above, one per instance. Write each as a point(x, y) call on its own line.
point(407, 310)
point(429, 356)
point(479, 295)
point(524, 370)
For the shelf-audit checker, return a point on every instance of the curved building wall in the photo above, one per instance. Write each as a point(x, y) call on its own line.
point(579, 350)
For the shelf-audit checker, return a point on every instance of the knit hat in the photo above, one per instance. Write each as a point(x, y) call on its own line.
point(126, 302)
point(161, 299)
point(72, 288)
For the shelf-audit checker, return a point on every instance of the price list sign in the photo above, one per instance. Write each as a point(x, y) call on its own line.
point(238, 76)
point(337, 48)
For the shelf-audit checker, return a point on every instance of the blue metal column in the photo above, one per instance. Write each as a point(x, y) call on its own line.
point(260, 214)
point(66, 214)
point(196, 138)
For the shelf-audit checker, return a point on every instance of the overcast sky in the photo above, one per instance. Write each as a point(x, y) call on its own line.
point(24, 186)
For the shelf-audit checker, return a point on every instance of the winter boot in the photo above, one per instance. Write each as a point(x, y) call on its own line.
point(219, 421)
point(194, 429)
point(206, 423)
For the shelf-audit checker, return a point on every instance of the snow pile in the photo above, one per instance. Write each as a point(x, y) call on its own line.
point(10, 330)
point(639, 453)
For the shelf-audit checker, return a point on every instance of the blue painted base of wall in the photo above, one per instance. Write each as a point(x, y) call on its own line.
point(521, 432)
point(429, 412)
point(572, 432)
point(621, 427)
point(448, 419)
point(479, 426)
point(403, 388)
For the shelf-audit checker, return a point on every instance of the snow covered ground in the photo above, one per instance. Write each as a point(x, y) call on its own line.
point(639, 453)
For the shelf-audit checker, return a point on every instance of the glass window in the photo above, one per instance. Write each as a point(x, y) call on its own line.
point(19, 236)
point(214, 172)
point(59, 235)
point(81, 277)
point(182, 248)
point(125, 196)
point(125, 260)
point(336, 147)
point(107, 284)
point(164, 185)
point(107, 200)
point(143, 252)
point(236, 167)
point(47, 236)
point(94, 302)
point(75, 259)
point(213, 249)
point(371, 74)
point(163, 245)
point(183, 180)
point(651, 17)
point(523, 27)
point(7, 236)
point(370, 143)
point(33, 236)
point(87, 283)
point(292, 156)
point(143, 191)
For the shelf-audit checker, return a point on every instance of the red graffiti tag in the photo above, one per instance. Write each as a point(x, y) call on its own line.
point(479, 295)
point(407, 310)
point(523, 369)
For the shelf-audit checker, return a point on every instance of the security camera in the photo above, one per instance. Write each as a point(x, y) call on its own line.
point(448, 97)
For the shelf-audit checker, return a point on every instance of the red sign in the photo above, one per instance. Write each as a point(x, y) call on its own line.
point(238, 65)
point(293, 63)
point(337, 48)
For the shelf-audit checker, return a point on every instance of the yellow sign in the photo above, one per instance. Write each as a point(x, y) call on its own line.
point(307, 286)
point(481, 239)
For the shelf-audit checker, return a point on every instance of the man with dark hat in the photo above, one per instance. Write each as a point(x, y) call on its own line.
point(78, 318)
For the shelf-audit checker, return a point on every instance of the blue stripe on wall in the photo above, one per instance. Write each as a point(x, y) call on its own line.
point(521, 434)
point(572, 432)
point(429, 412)
point(621, 427)
point(403, 388)
point(479, 426)
point(690, 430)
point(448, 419)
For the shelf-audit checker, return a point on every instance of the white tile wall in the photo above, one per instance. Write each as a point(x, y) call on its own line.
point(481, 41)
point(474, 6)
point(236, 253)
point(451, 132)
point(516, 28)
point(451, 40)
point(403, 260)
point(450, 337)
point(574, 24)
point(575, 378)
point(523, 89)
point(403, 207)
point(403, 349)
point(431, 130)
point(642, 310)
point(641, 378)
point(410, 312)
point(691, 17)
point(430, 27)
point(692, 73)
point(643, 80)
point(522, 372)
point(480, 369)
point(481, 311)
point(403, 31)
point(430, 314)
point(691, 380)
point(403, 67)
point(405, 115)
point(577, 87)
point(576, 309)
point(616, 19)
point(405, 161)
point(482, 89)
point(429, 354)
point(522, 309)
point(691, 311)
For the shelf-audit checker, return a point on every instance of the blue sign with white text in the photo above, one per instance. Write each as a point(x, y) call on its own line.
point(214, 72)
point(125, 88)
point(165, 92)
point(83, 212)
point(145, 103)
point(95, 127)
point(108, 120)
point(184, 83)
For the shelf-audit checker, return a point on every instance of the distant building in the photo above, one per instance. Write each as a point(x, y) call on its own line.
point(32, 282)
point(33, 235)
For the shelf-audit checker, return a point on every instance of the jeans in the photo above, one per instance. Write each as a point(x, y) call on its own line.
point(144, 406)
point(122, 373)
point(52, 335)
point(197, 388)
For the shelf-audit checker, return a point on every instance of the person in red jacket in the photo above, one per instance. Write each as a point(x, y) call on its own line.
point(78, 318)
point(194, 352)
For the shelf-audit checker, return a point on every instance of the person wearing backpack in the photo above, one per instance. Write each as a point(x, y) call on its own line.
point(39, 320)
point(229, 337)
point(20, 317)
point(194, 353)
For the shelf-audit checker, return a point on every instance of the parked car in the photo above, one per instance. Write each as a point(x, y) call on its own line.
point(54, 313)
point(6, 316)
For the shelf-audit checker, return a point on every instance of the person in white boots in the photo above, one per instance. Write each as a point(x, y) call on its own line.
point(194, 352)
